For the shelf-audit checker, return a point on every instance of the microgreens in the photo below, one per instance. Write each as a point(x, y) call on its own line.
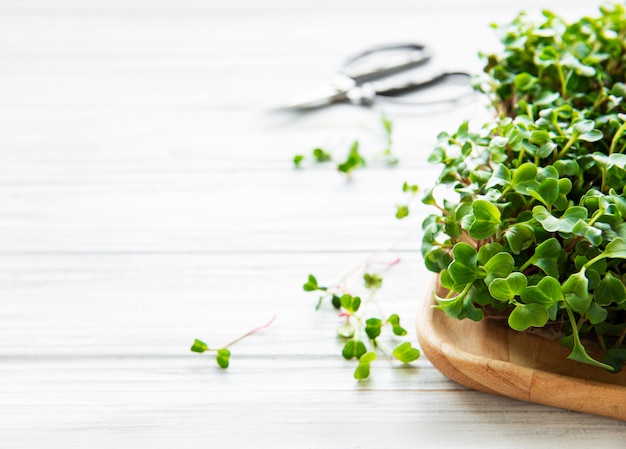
point(355, 159)
point(533, 225)
point(364, 333)
point(222, 354)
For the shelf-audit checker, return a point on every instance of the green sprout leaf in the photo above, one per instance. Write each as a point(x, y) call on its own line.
point(565, 223)
point(486, 220)
point(406, 353)
point(402, 211)
point(524, 177)
point(610, 290)
point(362, 370)
point(353, 349)
point(311, 284)
point(547, 192)
point(508, 288)
point(394, 320)
point(576, 291)
point(372, 280)
point(519, 237)
point(616, 249)
point(464, 269)
point(453, 307)
point(546, 293)
point(596, 313)
point(223, 358)
point(297, 160)
point(321, 156)
point(350, 303)
point(527, 315)
point(499, 266)
point(353, 161)
point(545, 257)
point(582, 229)
point(199, 346)
point(373, 327)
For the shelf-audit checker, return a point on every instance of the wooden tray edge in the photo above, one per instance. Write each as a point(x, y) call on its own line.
point(508, 379)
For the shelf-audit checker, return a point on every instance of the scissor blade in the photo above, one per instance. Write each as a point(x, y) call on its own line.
point(322, 96)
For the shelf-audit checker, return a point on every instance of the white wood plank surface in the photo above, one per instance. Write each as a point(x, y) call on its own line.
point(147, 198)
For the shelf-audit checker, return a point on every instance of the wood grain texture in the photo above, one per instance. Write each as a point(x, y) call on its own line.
point(148, 198)
point(490, 357)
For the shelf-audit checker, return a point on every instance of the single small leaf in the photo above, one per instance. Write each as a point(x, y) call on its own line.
point(519, 237)
point(223, 358)
point(487, 251)
point(610, 290)
point(499, 266)
point(402, 211)
point(353, 349)
point(583, 126)
point(321, 156)
point(501, 176)
point(464, 269)
point(524, 173)
point(372, 280)
point(394, 320)
point(546, 256)
point(546, 293)
point(524, 81)
point(353, 161)
point(547, 191)
point(311, 284)
point(406, 353)
point(548, 221)
point(486, 220)
point(593, 234)
point(527, 315)
point(199, 346)
point(565, 223)
point(571, 217)
point(362, 370)
point(596, 313)
point(373, 327)
point(453, 307)
point(616, 249)
point(505, 289)
point(591, 136)
point(350, 303)
point(576, 290)
point(297, 160)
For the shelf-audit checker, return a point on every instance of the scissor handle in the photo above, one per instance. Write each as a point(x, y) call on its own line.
point(411, 55)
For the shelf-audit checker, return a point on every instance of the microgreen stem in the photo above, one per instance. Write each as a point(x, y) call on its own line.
point(526, 265)
point(620, 339)
point(616, 137)
point(574, 324)
point(559, 69)
point(567, 146)
point(250, 332)
point(596, 216)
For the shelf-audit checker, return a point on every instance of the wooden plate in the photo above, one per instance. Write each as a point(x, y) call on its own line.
point(489, 357)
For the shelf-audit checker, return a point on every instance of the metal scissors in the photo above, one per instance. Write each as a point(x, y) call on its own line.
point(373, 75)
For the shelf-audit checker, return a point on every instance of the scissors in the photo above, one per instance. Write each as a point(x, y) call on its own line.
point(372, 75)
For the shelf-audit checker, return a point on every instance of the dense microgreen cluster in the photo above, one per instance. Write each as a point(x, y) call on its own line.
point(363, 333)
point(531, 221)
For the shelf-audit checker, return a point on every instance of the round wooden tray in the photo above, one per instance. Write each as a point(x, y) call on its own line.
point(489, 357)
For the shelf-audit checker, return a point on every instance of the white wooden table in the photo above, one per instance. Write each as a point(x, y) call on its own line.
point(148, 198)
